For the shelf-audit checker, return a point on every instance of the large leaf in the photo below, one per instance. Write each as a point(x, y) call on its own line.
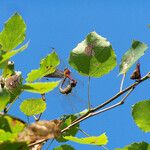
point(67, 120)
point(6, 56)
point(136, 146)
point(93, 57)
point(4, 98)
point(14, 146)
point(132, 55)
point(11, 124)
point(141, 115)
point(40, 87)
point(33, 106)
point(47, 66)
point(64, 147)
point(93, 140)
point(13, 33)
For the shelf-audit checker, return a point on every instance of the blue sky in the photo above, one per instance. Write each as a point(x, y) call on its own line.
point(63, 24)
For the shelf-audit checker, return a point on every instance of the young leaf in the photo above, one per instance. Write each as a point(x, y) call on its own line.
point(67, 120)
point(33, 106)
point(6, 56)
point(11, 124)
point(93, 140)
point(40, 87)
point(93, 57)
point(132, 55)
point(141, 115)
point(47, 66)
point(136, 146)
point(4, 98)
point(64, 147)
point(13, 33)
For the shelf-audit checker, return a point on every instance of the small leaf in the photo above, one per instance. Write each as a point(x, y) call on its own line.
point(136, 146)
point(93, 140)
point(13, 33)
point(40, 87)
point(93, 57)
point(11, 124)
point(13, 146)
point(141, 115)
point(4, 98)
point(64, 147)
point(67, 120)
point(132, 55)
point(47, 66)
point(6, 56)
point(33, 106)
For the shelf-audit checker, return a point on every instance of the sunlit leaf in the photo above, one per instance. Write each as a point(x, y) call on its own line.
point(67, 120)
point(11, 124)
point(6, 56)
point(4, 98)
point(33, 106)
point(47, 66)
point(64, 147)
point(13, 33)
point(40, 87)
point(14, 146)
point(93, 57)
point(141, 115)
point(136, 146)
point(132, 55)
point(93, 140)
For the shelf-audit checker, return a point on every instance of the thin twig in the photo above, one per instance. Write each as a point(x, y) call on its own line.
point(44, 99)
point(50, 144)
point(89, 103)
point(122, 81)
point(84, 132)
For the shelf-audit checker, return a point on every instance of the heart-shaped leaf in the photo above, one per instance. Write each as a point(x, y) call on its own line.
point(93, 57)
point(33, 106)
point(141, 115)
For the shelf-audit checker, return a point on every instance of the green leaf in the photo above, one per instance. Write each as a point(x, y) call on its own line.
point(14, 146)
point(136, 146)
point(67, 120)
point(11, 124)
point(40, 87)
point(141, 115)
point(93, 140)
point(7, 136)
point(13, 33)
point(4, 98)
point(33, 106)
point(64, 147)
point(93, 57)
point(47, 66)
point(6, 56)
point(132, 55)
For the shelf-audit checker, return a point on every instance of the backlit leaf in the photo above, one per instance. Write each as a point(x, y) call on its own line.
point(40, 87)
point(13, 33)
point(93, 140)
point(141, 115)
point(136, 146)
point(33, 106)
point(64, 147)
point(132, 55)
point(47, 66)
point(93, 57)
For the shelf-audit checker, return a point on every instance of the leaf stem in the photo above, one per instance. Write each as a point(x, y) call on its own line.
point(89, 103)
point(122, 81)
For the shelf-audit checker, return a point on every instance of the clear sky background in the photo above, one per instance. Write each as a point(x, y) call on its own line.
point(63, 24)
